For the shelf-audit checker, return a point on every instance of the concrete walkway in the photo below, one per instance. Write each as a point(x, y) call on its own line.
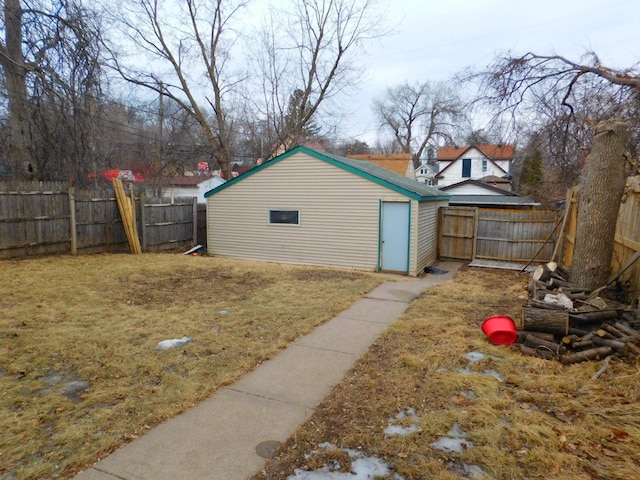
point(230, 435)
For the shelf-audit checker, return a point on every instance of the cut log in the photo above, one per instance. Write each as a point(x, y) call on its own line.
point(587, 337)
point(541, 273)
point(537, 352)
point(626, 329)
point(597, 316)
point(537, 342)
point(602, 333)
point(558, 271)
point(550, 337)
point(591, 354)
point(573, 295)
point(577, 331)
point(630, 317)
point(582, 344)
point(545, 305)
point(633, 348)
point(606, 342)
point(538, 289)
point(613, 330)
point(543, 320)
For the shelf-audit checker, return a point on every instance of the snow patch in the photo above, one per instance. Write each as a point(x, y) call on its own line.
point(395, 429)
point(453, 442)
point(172, 343)
point(362, 468)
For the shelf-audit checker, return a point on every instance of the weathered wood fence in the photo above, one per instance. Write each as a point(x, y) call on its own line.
point(497, 235)
point(520, 236)
point(51, 218)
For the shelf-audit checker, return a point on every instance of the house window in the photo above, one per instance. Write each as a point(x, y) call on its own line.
point(484, 165)
point(466, 168)
point(284, 217)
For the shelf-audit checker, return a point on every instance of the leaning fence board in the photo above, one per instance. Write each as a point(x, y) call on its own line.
point(126, 213)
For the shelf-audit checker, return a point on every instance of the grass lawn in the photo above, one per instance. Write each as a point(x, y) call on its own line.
point(79, 375)
point(434, 374)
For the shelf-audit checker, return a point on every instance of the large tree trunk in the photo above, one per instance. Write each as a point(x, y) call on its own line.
point(15, 71)
point(601, 188)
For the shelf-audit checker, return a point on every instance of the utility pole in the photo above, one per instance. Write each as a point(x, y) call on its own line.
point(160, 146)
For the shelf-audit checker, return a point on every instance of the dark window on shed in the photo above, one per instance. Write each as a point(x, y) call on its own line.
point(284, 217)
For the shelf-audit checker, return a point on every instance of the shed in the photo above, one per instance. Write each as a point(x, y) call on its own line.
point(312, 208)
point(190, 186)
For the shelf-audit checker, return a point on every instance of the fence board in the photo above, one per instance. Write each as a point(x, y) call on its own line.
point(457, 232)
point(511, 236)
point(36, 219)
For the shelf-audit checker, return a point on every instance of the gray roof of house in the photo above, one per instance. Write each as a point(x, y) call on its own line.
point(487, 200)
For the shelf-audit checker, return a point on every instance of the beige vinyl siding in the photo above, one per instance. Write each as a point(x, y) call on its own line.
point(339, 215)
point(427, 233)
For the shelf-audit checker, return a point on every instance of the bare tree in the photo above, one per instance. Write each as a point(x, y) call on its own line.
point(52, 77)
point(185, 43)
point(419, 115)
point(515, 83)
point(307, 57)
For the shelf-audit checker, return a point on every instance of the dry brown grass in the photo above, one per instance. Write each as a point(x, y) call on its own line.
point(543, 420)
point(97, 319)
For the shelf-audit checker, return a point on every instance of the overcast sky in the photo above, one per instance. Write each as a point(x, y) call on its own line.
point(433, 39)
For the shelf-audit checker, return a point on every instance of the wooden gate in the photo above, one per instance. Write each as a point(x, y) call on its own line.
point(457, 232)
point(497, 235)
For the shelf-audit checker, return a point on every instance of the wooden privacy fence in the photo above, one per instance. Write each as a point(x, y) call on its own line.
point(497, 235)
point(514, 236)
point(51, 218)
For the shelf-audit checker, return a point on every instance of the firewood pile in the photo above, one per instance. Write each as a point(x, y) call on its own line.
point(572, 324)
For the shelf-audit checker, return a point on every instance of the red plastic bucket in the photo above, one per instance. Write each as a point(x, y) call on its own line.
point(500, 330)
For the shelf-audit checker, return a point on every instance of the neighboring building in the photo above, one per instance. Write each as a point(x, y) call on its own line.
point(395, 162)
point(475, 163)
point(312, 208)
point(426, 173)
point(190, 186)
point(473, 193)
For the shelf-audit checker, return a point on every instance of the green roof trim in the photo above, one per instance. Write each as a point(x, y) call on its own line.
point(396, 182)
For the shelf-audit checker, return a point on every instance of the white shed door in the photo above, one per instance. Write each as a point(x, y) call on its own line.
point(394, 237)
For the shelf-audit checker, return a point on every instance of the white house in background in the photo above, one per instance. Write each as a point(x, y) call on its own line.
point(478, 162)
point(426, 173)
point(190, 186)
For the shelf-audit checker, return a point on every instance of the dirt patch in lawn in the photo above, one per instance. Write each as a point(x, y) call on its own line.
point(433, 399)
point(79, 372)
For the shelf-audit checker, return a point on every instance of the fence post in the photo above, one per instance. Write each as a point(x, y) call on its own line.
point(72, 221)
point(143, 221)
point(195, 221)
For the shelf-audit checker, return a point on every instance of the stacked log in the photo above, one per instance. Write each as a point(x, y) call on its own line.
point(571, 324)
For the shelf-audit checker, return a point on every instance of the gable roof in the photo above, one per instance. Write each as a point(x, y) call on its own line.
point(451, 154)
point(492, 152)
point(396, 162)
point(381, 176)
point(487, 186)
